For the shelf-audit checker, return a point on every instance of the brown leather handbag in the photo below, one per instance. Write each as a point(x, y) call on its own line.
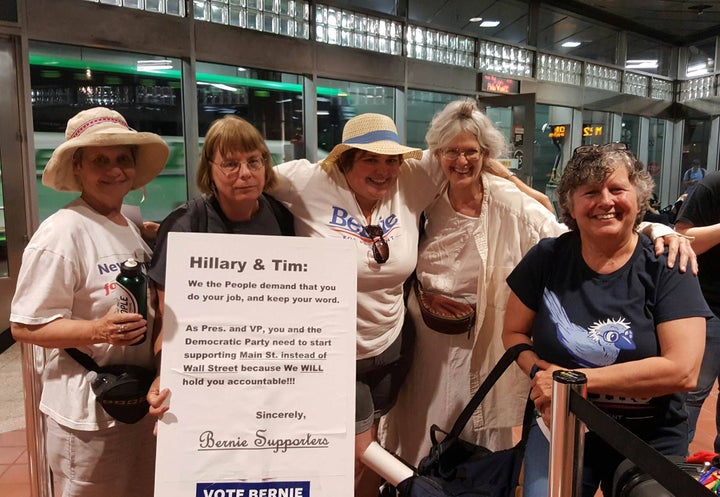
point(444, 314)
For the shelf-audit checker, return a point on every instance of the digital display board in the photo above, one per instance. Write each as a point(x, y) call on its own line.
point(497, 84)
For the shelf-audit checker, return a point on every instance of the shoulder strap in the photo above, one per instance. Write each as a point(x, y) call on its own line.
point(84, 359)
point(505, 361)
point(283, 216)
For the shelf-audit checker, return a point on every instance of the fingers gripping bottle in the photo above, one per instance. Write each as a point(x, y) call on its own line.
point(132, 290)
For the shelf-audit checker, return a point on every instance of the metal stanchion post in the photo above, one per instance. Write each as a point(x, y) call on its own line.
point(567, 438)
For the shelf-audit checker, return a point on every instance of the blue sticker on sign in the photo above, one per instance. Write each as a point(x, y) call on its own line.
point(261, 489)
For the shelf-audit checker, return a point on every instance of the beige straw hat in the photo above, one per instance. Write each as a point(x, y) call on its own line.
point(372, 132)
point(101, 127)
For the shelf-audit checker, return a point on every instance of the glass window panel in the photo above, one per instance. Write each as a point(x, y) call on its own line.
point(8, 11)
point(646, 55)
point(696, 140)
point(421, 107)
point(381, 6)
point(597, 127)
point(271, 101)
point(550, 154)
point(66, 79)
point(630, 131)
point(343, 100)
point(656, 144)
point(700, 59)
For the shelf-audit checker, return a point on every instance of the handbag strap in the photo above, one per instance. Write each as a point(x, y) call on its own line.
point(84, 359)
point(505, 361)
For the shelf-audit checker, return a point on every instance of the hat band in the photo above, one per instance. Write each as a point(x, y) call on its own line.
point(373, 136)
point(98, 120)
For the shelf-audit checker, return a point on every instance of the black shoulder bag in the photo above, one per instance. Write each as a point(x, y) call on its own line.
point(457, 467)
point(121, 389)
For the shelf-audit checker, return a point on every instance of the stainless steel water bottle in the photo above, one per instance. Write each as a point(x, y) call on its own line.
point(132, 290)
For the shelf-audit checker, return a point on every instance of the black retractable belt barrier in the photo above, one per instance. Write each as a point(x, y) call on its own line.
point(631, 446)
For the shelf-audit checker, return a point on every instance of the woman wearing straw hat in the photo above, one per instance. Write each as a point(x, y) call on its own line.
point(65, 298)
point(368, 192)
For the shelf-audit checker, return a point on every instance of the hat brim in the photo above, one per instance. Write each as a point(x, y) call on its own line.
point(384, 147)
point(151, 157)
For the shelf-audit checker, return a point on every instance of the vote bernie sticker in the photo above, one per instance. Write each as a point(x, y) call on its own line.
point(260, 489)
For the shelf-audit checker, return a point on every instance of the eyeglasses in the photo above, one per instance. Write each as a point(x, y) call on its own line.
point(380, 249)
point(454, 154)
point(607, 147)
point(232, 167)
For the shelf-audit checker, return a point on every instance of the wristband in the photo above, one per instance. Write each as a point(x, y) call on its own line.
point(533, 371)
point(510, 175)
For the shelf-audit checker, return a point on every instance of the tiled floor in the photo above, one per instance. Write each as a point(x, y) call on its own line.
point(14, 474)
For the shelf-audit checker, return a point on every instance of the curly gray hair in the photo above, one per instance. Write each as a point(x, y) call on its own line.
point(593, 164)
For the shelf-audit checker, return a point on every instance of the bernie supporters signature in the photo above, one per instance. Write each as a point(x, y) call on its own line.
point(262, 441)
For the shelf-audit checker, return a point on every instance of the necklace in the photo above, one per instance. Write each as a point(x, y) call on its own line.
point(366, 217)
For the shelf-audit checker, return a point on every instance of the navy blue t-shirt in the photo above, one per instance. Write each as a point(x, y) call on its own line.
point(586, 320)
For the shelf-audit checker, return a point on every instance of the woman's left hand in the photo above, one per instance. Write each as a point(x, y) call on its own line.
point(541, 391)
point(679, 249)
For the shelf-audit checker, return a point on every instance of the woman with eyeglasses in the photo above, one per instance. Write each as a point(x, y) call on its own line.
point(601, 301)
point(476, 231)
point(235, 171)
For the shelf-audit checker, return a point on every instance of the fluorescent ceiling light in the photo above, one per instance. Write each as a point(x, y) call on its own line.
point(571, 44)
point(489, 24)
point(697, 70)
point(642, 64)
point(224, 87)
point(475, 19)
point(241, 69)
point(154, 65)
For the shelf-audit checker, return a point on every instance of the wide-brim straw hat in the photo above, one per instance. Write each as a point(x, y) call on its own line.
point(374, 133)
point(102, 127)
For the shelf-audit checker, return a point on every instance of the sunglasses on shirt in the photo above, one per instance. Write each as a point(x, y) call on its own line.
point(380, 249)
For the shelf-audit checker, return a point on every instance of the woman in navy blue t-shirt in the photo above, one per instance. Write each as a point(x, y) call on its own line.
point(598, 300)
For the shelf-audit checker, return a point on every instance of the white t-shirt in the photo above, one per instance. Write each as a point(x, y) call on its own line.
point(68, 271)
point(324, 206)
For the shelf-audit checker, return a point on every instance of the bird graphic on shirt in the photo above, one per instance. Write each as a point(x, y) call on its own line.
point(594, 347)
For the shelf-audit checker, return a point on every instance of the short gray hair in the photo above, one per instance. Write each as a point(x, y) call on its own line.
point(464, 115)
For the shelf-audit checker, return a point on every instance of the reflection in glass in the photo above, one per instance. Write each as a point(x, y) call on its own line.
point(696, 140)
point(700, 59)
point(144, 89)
point(647, 55)
point(3, 238)
point(657, 129)
point(353, 98)
point(630, 132)
point(596, 127)
point(271, 101)
point(598, 41)
point(421, 107)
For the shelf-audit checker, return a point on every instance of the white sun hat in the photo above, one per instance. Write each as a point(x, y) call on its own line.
point(374, 133)
point(101, 127)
